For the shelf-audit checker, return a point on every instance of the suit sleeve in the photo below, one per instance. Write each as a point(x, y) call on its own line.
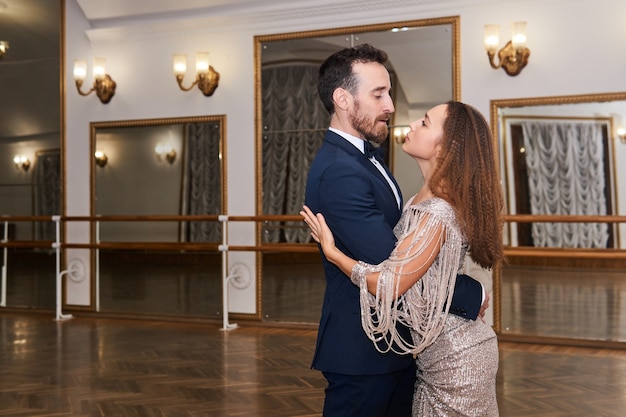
point(467, 298)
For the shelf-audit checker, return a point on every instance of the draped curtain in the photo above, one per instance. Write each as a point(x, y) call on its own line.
point(294, 123)
point(202, 181)
point(566, 175)
point(47, 192)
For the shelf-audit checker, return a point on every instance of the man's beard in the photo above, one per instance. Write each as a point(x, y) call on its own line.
point(370, 130)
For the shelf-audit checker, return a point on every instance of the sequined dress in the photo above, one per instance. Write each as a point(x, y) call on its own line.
point(457, 358)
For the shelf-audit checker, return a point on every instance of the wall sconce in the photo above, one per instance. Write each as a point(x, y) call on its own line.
point(4, 47)
point(207, 79)
point(513, 57)
point(101, 158)
point(399, 133)
point(165, 153)
point(621, 134)
point(103, 84)
point(21, 162)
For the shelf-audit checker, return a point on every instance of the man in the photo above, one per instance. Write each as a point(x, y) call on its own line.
point(361, 202)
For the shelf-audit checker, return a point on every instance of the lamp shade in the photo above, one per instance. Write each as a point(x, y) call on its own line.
point(492, 37)
point(99, 68)
point(180, 64)
point(80, 69)
point(518, 38)
point(202, 62)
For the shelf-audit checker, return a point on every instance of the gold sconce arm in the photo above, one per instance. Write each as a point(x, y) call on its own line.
point(104, 88)
point(207, 83)
point(179, 79)
point(511, 60)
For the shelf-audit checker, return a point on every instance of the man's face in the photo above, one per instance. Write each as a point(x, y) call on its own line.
point(372, 104)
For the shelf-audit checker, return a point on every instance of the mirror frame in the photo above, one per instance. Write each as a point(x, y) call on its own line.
point(93, 128)
point(62, 124)
point(495, 106)
point(453, 21)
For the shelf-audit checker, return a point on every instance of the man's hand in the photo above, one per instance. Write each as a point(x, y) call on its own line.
point(484, 307)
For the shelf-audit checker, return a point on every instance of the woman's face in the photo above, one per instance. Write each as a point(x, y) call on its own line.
point(422, 140)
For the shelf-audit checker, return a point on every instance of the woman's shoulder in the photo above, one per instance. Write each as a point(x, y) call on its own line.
point(436, 206)
point(434, 210)
point(433, 204)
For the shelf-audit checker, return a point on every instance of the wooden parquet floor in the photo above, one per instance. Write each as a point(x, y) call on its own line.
point(111, 367)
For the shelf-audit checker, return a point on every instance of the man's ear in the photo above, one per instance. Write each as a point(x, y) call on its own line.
point(341, 98)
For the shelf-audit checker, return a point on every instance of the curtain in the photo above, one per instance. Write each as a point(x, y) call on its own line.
point(566, 175)
point(202, 181)
point(294, 123)
point(47, 192)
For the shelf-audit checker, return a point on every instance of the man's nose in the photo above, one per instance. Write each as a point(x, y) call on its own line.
point(389, 108)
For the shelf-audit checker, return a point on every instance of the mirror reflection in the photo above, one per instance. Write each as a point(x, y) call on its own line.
point(30, 145)
point(559, 156)
point(154, 168)
point(30, 130)
point(292, 126)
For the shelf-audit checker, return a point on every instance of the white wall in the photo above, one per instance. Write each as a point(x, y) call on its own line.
point(576, 48)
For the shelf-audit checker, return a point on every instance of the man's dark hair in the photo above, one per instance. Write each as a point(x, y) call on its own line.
point(336, 71)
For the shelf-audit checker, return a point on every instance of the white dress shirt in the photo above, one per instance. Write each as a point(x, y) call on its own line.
point(360, 145)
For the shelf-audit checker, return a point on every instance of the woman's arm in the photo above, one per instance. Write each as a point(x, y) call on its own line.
point(411, 258)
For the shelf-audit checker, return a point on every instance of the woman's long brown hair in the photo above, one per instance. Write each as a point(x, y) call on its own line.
point(466, 176)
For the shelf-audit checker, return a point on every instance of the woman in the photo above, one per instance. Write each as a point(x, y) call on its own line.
point(457, 209)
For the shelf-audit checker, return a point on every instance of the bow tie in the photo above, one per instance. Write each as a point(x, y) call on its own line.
point(372, 151)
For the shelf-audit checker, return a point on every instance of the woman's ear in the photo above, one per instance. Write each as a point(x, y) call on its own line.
point(438, 148)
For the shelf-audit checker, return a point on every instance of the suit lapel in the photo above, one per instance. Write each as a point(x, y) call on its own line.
point(346, 146)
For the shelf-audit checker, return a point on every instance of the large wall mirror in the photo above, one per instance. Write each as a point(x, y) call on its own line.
point(564, 281)
point(30, 118)
point(31, 143)
point(159, 167)
point(291, 123)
